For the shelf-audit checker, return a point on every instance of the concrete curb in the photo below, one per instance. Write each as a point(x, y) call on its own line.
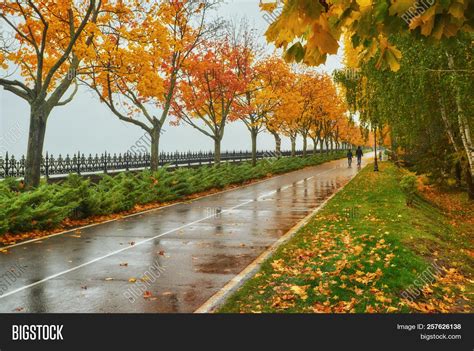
point(220, 297)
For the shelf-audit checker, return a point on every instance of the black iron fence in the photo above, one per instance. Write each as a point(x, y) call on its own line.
point(79, 163)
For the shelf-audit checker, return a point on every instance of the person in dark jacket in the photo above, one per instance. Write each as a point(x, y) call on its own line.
point(349, 157)
point(359, 155)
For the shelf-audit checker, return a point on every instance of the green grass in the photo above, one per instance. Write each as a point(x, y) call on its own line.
point(359, 254)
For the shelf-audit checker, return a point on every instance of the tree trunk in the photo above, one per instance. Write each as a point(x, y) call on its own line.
point(315, 146)
point(37, 131)
point(458, 173)
point(277, 144)
point(155, 148)
point(444, 115)
point(470, 184)
point(217, 151)
point(326, 141)
point(254, 134)
point(463, 124)
point(376, 165)
point(447, 126)
point(293, 146)
point(305, 145)
point(465, 135)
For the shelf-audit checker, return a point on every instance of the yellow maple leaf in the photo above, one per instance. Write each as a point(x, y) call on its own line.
point(457, 10)
point(268, 5)
point(358, 249)
point(400, 6)
point(393, 57)
point(364, 3)
point(322, 38)
point(428, 20)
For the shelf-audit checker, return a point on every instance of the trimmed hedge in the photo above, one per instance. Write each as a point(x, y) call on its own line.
point(75, 197)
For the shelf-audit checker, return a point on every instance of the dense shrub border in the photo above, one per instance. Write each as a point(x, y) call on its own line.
point(47, 206)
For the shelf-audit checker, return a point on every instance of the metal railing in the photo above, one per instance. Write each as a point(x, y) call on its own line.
point(79, 163)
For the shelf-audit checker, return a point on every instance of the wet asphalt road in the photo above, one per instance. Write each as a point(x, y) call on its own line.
point(186, 252)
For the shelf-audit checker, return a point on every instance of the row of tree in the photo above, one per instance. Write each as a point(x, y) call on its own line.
point(414, 64)
point(427, 105)
point(143, 57)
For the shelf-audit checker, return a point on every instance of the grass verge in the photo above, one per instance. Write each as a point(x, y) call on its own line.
point(367, 251)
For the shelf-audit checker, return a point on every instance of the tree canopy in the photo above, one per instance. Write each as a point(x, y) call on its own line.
point(309, 30)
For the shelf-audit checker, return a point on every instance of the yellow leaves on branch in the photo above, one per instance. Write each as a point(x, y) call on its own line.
point(310, 104)
point(322, 38)
point(364, 3)
point(308, 30)
point(400, 7)
point(212, 81)
point(389, 54)
point(41, 33)
point(268, 6)
point(150, 84)
point(129, 39)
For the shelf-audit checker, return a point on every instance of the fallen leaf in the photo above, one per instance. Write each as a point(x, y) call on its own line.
point(300, 291)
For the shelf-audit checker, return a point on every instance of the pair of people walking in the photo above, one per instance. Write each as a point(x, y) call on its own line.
point(359, 155)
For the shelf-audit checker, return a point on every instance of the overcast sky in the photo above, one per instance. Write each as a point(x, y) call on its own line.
point(88, 126)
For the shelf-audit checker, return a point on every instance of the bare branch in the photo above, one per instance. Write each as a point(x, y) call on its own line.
point(16, 87)
point(69, 99)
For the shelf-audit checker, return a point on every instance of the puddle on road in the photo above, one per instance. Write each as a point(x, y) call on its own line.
point(224, 264)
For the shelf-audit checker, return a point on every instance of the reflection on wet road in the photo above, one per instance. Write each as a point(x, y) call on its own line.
point(187, 251)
